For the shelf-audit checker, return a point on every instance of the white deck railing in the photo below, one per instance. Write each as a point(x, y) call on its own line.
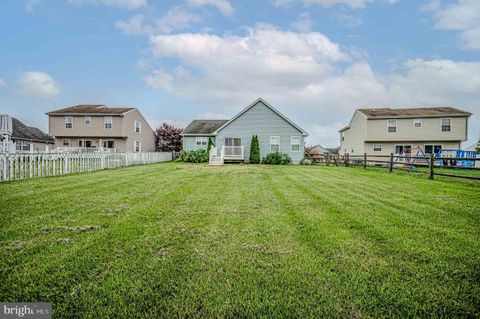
point(7, 146)
point(233, 152)
point(83, 150)
point(22, 166)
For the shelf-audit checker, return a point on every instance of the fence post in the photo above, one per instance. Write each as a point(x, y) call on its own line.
point(347, 160)
point(391, 162)
point(337, 160)
point(364, 160)
point(431, 164)
point(327, 157)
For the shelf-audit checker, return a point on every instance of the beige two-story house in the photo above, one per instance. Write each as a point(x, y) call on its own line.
point(381, 131)
point(89, 128)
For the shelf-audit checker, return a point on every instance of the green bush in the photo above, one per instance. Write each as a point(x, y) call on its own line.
point(277, 158)
point(254, 150)
point(306, 161)
point(196, 156)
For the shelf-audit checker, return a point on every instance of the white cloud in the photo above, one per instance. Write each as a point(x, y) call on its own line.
point(462, 16)
point(128, 4)
point(353, 4)
point(303, 24)
point(224, 6)
point(176, 18)
point(2, 82)
point(37, 85)
point(306, 73)
point(132, 26)
point(323, 133)
point(31, 4)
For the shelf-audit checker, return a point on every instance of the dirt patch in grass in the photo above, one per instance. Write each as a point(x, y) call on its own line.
point(75, 229)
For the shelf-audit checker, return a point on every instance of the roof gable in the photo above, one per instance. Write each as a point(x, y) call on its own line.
point(260, 100)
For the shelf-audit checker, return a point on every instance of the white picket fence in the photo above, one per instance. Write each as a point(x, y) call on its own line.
point(22, 166)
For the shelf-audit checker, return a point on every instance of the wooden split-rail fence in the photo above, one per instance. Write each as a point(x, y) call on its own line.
point(23, 166)
point(430, 164)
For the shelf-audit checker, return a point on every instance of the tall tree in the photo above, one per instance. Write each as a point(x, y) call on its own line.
point(168, 138)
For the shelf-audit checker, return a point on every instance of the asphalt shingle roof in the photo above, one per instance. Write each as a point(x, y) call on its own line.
point(203, 126)
point(91, 109)
point(422, 111)
point(24, 132)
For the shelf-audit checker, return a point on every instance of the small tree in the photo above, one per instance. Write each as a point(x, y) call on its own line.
point(168, 138)
point(478, 145)
point(254, 150)
point(209, 145)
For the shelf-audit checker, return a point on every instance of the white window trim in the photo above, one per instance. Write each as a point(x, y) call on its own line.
point(388, 126)
point(139, 127)
point(273, 137)
point(291, 144)
point(415, 121)
point(135, 146)
point(105, 122)
point(89, 120)
point(67, 118)
point(66, 139)
point(441, 124)
point(201, 140)
point(373, 147)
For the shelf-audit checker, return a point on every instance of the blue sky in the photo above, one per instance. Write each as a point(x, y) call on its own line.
point(315, 60)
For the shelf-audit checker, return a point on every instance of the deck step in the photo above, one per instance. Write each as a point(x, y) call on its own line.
point(215, 160)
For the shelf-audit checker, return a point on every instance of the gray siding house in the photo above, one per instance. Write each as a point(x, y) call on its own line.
point(232, 137)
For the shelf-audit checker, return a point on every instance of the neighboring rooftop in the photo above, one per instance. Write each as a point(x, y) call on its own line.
point(412, 112)
point(203, 127)
point(29, 133)
point(91, 109)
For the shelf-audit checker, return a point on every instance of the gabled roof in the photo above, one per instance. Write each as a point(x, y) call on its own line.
point(304, 133)
point(413, 112)
point(21, 131)
point(203, 127)
point(94, 109)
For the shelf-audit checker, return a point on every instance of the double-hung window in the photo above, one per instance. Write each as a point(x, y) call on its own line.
point(108, 122)
point(66, 142)
point(202, 140)
point(88, 120)
point(446, 125)
point(137, 127)
point(274, 143)
point(392, 126)
point(295, 142)
point(377, 147)
point(417, 123)
point(137, 146)
point(68, 121)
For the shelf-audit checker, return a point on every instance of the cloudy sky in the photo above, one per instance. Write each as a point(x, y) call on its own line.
point(314, 60)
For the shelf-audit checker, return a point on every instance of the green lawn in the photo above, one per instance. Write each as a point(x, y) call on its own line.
point(179, 240)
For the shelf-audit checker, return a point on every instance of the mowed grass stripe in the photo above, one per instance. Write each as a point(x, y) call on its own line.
point(177, 240)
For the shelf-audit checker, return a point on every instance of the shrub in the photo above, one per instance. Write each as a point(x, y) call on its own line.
point(196, 156)
point(277, 158)
point(306, 161)
point(209, 145)
point(254, 150)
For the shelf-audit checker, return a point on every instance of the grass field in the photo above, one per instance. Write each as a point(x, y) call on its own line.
point(179, 240)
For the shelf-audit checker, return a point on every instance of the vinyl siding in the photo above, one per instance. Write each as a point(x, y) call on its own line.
point(431, 130)
point(355, 136)
point(120, 143)
point(262, 121)
point(190, 143)
point(146, 135)
point(389, 147)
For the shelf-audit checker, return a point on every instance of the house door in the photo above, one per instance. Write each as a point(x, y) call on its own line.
point(108, 144)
